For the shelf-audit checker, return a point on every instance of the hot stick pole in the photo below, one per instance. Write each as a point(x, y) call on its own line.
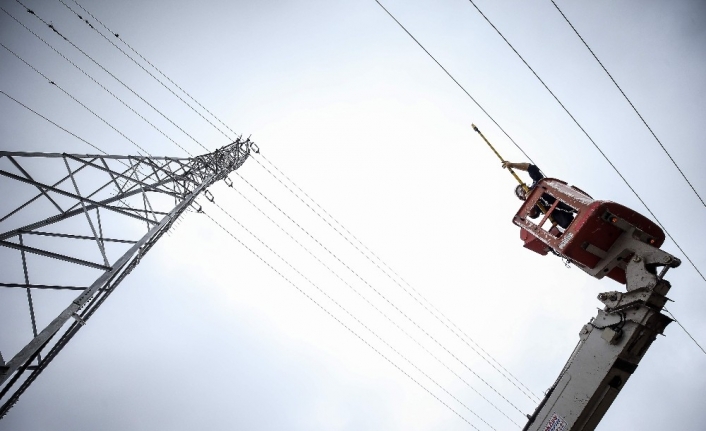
point(524, 186)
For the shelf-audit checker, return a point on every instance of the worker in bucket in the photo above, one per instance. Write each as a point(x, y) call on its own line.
point(563, 214)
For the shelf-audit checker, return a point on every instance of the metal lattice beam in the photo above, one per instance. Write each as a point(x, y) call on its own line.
point(89, 203)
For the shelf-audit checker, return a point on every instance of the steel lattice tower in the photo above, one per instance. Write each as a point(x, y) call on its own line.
point(90, 220)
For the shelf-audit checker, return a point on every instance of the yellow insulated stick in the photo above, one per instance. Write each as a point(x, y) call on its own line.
point(522, 183)
point(524, 186)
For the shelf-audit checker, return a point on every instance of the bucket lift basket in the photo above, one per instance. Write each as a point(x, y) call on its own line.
point(599, 238)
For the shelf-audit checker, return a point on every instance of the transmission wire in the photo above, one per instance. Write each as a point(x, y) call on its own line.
point(454, 80)
point(300, 189)
point(53, 28)
point(388, 318)
point(596, 145)
point(76, 100)
point(50, 121)
point(353, 316)
point(399, 276)
point(380, 294)
point(146, 71)
point(339, 321)
point(687, 332)
point(97, 83)
point(153, 66)
point(180, 88)
point(629, 102)
point(389, 276)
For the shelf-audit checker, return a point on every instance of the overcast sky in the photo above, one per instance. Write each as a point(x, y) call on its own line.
point(203, 335)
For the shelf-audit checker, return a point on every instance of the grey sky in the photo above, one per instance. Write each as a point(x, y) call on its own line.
point(204, 336)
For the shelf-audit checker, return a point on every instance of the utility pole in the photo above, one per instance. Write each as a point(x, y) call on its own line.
point(89, 222)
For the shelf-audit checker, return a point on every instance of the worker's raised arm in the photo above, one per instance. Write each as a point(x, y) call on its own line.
point(520, 166)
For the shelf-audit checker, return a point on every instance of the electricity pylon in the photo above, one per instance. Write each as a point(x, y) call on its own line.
point(89, 222)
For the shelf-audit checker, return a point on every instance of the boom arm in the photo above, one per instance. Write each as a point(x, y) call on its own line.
point(610, 346)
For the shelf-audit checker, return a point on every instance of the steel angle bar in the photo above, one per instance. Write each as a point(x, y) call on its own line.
point(98, 190)
point(138, 210)
point(35, 198)
point(113, 173)
point(177, 175)
point(93, 204)
point(159, 187)
point(175, 179)
point(41, 286)
point(42, 191)
point(53, 255)
point(149, 204)
point(110, 173)
point(95, 156)
point(88, 216)
point(65, 193)
point(100, 226)
point(65, 235)
point(30, 302)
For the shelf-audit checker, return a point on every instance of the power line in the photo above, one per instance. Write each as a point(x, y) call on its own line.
point(340, 322)
point(382, 313)
point(438, 63)
point(76, 100)
point(381, 295)
point(53, 28)
point(317, 204)
point(630, 102)
point(97, 83)
point(398, 276)
point(148, 62)
point(454, 80)
point(687, 332)
point(353, 316)
point(146, 71)
point(50, 121)
point(389, 276)
point(590, 139)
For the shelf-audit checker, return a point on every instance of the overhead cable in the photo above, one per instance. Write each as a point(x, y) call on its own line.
point(687, 332)
point(454, 80)
point(382, 313)
point(393, 305)
point(98, 83)
point(630, 102)
point(341, 322)
point(146, 71)
point(76, 100)
point(53, 28)
point(492, 364)
point(50, 121)
point(345, 310)
point(152, 65)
